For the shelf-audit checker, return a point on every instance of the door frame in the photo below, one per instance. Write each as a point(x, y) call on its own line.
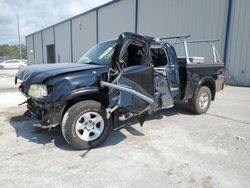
point(124, 40)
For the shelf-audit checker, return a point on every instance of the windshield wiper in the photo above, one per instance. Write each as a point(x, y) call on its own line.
point(92, 63)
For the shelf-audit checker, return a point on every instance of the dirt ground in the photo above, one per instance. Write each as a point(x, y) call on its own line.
point(174, 148)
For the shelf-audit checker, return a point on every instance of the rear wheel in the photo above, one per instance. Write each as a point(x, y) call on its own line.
point(85, 125)
point(200, 103)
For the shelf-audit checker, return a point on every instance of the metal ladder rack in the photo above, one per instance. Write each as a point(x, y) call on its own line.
point(183, 39)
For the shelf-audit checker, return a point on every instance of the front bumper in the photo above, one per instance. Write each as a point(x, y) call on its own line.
point(46, 114)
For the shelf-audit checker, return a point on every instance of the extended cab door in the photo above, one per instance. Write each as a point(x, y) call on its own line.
point(173, 72)
point(161, 63)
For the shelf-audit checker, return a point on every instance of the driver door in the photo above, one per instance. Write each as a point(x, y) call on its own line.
point(133, 88)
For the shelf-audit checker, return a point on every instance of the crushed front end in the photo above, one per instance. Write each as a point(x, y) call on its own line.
point(47, 115)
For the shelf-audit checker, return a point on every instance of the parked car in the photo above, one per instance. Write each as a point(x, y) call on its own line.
point(3, 58)
point(13, 64)
point(114, 81)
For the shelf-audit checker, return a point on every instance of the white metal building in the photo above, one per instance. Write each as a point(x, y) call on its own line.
point(227, 20)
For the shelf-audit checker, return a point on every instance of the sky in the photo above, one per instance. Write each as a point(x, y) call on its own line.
point(35, 15)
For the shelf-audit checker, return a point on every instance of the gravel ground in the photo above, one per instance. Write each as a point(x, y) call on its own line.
point(7, 78)
point(174, 148)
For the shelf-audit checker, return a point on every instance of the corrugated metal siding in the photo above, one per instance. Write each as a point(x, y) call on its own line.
point(83, 34)
point(115, 19)
point(63, 42)
point(202, 19)
point(38, 48)
point(48, 39)
point(30, 49)
point(238, 55)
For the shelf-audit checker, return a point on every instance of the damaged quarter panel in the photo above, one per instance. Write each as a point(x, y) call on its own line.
point(203, 74)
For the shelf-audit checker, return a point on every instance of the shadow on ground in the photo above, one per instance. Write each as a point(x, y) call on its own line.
point(24, 128)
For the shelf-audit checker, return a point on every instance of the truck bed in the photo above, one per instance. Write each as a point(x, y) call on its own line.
point(193, 74)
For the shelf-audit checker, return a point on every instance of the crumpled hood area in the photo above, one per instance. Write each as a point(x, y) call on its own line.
point(38, 73)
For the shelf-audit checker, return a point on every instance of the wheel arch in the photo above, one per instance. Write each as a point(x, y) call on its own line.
point(94, 94)
point(208, 82)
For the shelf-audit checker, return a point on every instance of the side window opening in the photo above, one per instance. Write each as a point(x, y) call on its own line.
point(133, 55)
point(12, 61)
point(158, 57)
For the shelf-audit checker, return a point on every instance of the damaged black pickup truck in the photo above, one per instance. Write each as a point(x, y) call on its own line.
point(114, 81)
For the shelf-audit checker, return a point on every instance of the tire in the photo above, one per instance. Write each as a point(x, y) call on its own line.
point(200, 103)
point(78, 127)
point(21, 66)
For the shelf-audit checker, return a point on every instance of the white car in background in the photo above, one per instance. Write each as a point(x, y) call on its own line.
point(13, 64)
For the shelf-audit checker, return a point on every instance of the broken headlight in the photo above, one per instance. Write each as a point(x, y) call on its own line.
point(38, 91)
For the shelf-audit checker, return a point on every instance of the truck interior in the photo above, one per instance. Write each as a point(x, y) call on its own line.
point(132, 55)
point(158, 57)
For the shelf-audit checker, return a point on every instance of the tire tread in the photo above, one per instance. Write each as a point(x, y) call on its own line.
point(194, 102)
point(68, 124)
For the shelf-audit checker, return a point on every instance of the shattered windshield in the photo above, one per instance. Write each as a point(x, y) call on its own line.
point(100, 54)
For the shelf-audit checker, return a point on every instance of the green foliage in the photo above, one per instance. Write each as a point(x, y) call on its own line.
point(12, 51)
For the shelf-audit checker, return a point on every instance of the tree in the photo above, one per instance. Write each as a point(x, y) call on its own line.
point(12, 51)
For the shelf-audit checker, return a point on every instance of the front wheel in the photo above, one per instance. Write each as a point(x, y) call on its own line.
point(200, 103)
point(85, 125)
